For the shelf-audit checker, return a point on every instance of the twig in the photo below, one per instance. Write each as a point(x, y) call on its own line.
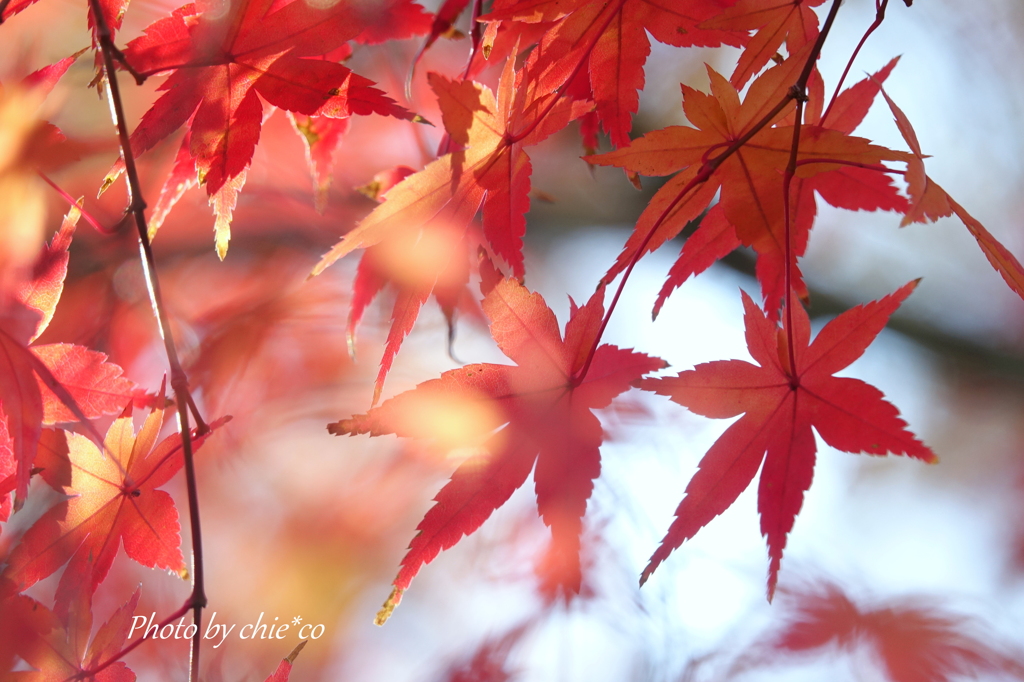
point(799, 93)
point(880, 6)
point(71, 200)
point(179, 381)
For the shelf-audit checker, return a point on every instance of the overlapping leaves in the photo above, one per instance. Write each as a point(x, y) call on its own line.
point(223, 62)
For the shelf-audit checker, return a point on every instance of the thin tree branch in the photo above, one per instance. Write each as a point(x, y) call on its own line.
point(179, 381)
point(880, 6)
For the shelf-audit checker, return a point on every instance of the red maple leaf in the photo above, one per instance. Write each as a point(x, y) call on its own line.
point(850, 187)
point(752, 203)
point(536, 415)
point(780, 402)
point(912, 640)
point(223, 63)
point(115, 499)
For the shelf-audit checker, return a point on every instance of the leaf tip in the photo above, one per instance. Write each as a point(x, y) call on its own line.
point(295, 652)
point(649, 570)
point(393, 600)
point(107, 182)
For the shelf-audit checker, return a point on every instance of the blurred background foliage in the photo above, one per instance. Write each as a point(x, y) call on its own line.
point(894, 571)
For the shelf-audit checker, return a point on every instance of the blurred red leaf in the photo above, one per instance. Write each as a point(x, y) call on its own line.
point(913, 642)
point(58, 644)
point(52, 383)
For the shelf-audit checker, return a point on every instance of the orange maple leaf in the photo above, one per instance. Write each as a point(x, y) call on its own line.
point(115, 499)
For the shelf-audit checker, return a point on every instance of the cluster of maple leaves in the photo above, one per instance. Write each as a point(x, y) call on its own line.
point(760, 149)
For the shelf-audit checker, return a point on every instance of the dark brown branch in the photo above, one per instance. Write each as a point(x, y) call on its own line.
point(179, 381)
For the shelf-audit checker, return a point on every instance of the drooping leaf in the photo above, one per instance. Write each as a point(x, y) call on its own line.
point(322, 136)
point(780, 403)
point(489, 167)
point(929, 202)
point(435, 262)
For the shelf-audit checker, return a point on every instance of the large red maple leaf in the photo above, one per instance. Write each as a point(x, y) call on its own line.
point(223, 63)
point(847, 186)
point(537, 415)
point(780, 402)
